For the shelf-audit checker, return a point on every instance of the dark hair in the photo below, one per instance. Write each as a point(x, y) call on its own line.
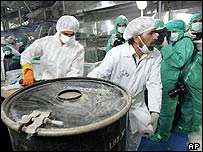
point(131, 41)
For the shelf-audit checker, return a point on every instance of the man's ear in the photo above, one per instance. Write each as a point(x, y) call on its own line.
point(136, 39)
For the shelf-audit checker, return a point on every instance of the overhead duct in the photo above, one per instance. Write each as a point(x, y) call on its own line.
point(105, 4)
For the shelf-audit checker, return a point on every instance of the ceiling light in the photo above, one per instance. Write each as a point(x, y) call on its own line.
point(141, 4)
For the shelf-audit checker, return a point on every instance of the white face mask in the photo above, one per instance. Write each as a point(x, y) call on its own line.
point(7, 52)
point(144, 48)
point(197, 26)
point(64, 39)
point(174, 37)
point(121, 29)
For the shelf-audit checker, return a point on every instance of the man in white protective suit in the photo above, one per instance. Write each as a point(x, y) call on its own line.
point(60, 55)
point(135, 65)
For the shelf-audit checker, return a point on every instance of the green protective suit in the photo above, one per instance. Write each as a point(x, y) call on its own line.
point(174, 58)
point(6, 48)
point(116, 35)
point(193, 17)
point(159, 23)
point(23, 47)
point(191, 103)
point(23, 38)
point(10, 55)
point(158, 47)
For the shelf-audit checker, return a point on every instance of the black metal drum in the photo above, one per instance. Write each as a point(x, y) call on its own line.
point(68, 114)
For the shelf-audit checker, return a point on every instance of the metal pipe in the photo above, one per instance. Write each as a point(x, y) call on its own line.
point(163, 7)
point(45, 16)
point(141, 12)
point(40, 31)
point(19, 14)
point(49, 31)
point(64, 7)
point(4, 25)
point(159, 9)
point(27, 6)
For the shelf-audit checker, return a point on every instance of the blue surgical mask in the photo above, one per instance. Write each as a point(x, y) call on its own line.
point(197, 26)
point(174, 37)
point(121, 29)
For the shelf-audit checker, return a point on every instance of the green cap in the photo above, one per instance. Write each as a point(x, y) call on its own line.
point(23, 38)
point(6, 48)
point(120, 19)
point(175, 25)
point(159, 23)
point(195, 16)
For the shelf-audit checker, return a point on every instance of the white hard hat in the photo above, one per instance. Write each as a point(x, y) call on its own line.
point(67, 23)
point(139, 26)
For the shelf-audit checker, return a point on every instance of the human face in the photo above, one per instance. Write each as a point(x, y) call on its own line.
point(197, 20)
point(121, 28)
point(66, 37)
point(121, 25)
point(149, 37)
point(68, 33)
point(196, 25)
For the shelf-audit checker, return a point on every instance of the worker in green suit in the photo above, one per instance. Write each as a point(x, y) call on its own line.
point(195, 26)
point(191, 103)
point(117, 38)
point(24, 43)
point(174, 56)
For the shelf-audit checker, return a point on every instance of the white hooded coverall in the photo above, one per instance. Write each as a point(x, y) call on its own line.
point(57, 60)
point(119, 66)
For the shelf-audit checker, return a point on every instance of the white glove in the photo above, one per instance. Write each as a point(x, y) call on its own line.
point(154, 120)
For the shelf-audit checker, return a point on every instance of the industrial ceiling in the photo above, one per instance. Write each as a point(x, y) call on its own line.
point(28, 16)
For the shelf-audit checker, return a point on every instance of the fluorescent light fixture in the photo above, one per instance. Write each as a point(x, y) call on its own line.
point(141, 4)
point(105, 3)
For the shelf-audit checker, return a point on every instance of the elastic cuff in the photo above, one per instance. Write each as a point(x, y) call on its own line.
point(26, 67)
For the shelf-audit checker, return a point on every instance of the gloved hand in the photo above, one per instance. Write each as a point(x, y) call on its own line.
point(27, 75)
point(154, 120)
